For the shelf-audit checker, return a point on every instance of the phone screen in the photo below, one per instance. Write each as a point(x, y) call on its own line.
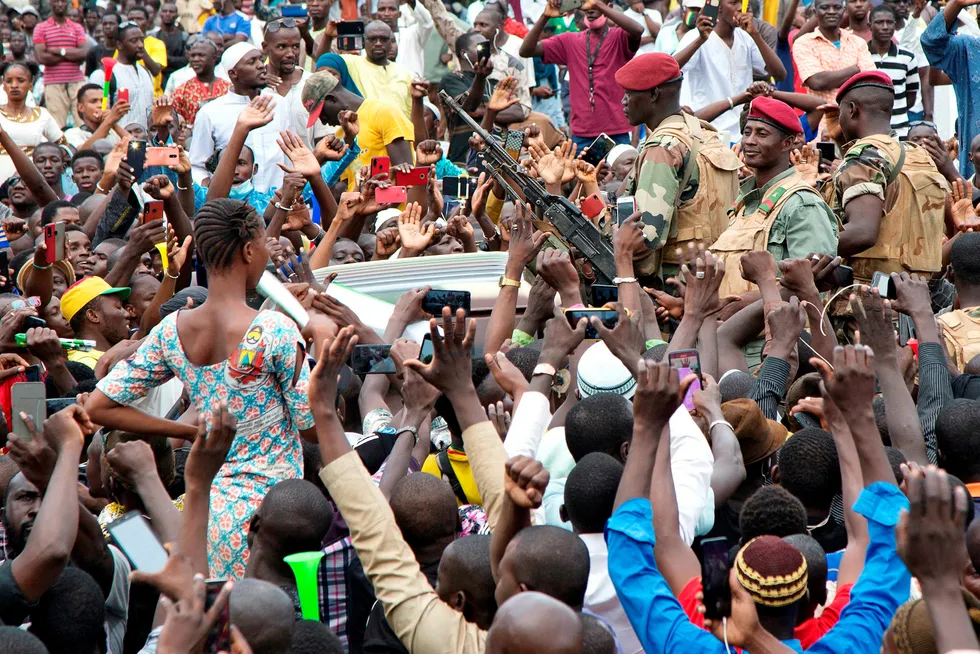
point(625, 207)
point(603, 294)
point(136, 157)
point(598, 150)
point(883, 282)
point(435, 300)
point(219, 638)
point(372, 360)
point(608, 317)
point(714, 578)
point(28, 397)
point(425, 351)
point(137, 541)
point(687, 362)
point(827, 151)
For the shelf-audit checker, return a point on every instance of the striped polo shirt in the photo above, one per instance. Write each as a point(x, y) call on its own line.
point(902, 69)
point(55, 37)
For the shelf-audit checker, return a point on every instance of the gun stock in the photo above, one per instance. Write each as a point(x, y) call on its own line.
point(568, 220)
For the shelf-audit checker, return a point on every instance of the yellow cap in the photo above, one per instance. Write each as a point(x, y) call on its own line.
point(84, 291)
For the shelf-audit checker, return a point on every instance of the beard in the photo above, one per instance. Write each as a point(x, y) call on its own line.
point(16, 540)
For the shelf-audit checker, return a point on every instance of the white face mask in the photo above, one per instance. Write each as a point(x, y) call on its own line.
point(241, 191)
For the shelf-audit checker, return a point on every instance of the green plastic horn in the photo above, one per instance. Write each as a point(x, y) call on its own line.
point(305, 566)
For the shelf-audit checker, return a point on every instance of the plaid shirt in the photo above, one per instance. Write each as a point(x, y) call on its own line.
point(334, 589)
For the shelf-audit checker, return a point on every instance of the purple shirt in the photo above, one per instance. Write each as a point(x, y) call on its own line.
point(568, 49)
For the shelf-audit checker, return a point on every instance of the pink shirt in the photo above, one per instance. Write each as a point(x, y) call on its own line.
point(568, 49)
point(55, 37)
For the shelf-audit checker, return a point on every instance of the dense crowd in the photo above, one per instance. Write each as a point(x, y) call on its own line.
point(525, 326)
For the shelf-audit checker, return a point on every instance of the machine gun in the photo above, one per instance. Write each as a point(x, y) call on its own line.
point(572, 226)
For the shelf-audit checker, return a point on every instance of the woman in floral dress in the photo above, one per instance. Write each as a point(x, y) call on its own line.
point(223, 351)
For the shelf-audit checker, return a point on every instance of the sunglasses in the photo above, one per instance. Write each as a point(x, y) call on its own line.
point(927, 123)
point(279, 23)
point(13, 181)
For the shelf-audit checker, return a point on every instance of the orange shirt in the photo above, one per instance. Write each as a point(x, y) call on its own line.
point(814, 53)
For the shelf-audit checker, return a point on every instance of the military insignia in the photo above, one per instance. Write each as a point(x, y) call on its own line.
point(247, 359)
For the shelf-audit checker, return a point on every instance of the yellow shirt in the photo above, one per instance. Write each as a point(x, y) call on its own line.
point(88, 357)
point(461, 466)
point(380, 124)
point(192, 13)
point(392, 82)
point(157, 50)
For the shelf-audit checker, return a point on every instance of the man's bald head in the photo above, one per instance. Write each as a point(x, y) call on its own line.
point(518, 627)
point(264, 613)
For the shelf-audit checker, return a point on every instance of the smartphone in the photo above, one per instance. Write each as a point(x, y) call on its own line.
point(710, 10)
point(350, 35)
point(843, 276)
point(54, 242)
point(426, 350)
point(136, 157)
point(568, 6)
point(608, 317)
point(380, 166)
point(132, 534)
point(372, 360)
point(414, 177)
point(592, 206)
point(807, 420)
point(603, 294)
point(652, 227)
point(513, 143)
point(686, 362)
point(34, 322)
point(32, 373)
point(455, 187)
point(152, 210)
point(883, 282)
point(293, 11)
point(219, 637)
point(163, 156)
point(714, 578)
point(59, 403)
point(827, 150)
point(27, 397)
point(598, 150)
point(435, 300)
point(122, 95)
point(483, 51)
point(691, 17)
point(391, 195)
point(625, 207)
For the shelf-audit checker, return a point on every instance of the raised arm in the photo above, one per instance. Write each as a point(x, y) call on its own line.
point(28, 172)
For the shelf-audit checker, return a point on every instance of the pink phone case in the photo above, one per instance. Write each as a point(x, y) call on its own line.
point(391, 195)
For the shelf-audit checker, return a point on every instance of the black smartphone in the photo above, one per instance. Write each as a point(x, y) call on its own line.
point(714, 578)
point(686, 362)
point(426, 351)
point(435, 300)
point(883, 282)
point(57, 404)
point(807, 420)
point(34, 321)
point(652, 228)
point(33, 373)
point(827, 150)
point(219, 638)
point(710, 10)
point(136, 157)
point(603, 294)
point(843, 276)
point(598, 150)
point(350, 35)
point(132, 534)
point(483, 51)
point(456, 187)
point(608, 317)
point(372, 360)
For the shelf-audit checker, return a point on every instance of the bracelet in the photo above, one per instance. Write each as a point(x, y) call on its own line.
point(167, 273)
point(281, 208)
point(98, 187)
point(720, 422)
point(319, 237)
point(37, 267)
point(183, 188)
point(731, 103)
point(624, 280)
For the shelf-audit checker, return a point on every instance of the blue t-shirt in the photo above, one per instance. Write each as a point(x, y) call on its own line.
point(234, 24)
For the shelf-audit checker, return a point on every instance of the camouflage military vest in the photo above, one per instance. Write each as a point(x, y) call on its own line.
point(751, 232)
point(704, 217)
point(911, 234)
point(962, 332)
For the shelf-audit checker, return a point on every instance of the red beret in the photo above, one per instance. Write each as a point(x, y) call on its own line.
point(876, 78)
point(648, 71)
point(776, 113)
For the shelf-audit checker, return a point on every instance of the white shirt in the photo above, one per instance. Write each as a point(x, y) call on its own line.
point(414, 29)
point(600, 594)
point(140, 85)
point(212, 130)
point(638, 17)
point(186, 74)
point(716, 72)
point(513, 47)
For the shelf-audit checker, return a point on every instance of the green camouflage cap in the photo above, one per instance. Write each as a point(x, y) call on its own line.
point(317, 87)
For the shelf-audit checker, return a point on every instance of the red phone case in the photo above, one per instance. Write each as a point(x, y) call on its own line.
point(380, 165)
point(593, 205)
point(50, 243)
point(391, 195)
point(414, 177)
point(153, 210)
point(123, 95)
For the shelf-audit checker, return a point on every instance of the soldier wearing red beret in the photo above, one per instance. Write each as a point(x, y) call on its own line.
point(778, 209)
point(889, 196)
point(685, 178)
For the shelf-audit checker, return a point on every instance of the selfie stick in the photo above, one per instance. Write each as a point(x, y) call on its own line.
point(305, 566)
point(273, 289)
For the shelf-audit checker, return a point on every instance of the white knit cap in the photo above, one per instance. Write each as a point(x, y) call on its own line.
point(236, 53)
point(599, 371)
point(618, 151)
point(384, 216)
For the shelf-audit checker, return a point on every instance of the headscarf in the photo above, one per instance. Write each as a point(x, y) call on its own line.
point(336, 62)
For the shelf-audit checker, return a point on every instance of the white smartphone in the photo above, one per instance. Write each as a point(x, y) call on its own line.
point(132, 534)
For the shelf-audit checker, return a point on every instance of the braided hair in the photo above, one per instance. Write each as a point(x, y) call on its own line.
point(221, 228)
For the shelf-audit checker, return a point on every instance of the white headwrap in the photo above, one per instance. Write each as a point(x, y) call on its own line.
point(236, 53)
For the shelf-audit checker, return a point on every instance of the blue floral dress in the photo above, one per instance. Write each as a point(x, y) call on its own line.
point(265, 386)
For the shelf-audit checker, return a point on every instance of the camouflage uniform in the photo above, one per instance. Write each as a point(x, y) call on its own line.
point(961, 331)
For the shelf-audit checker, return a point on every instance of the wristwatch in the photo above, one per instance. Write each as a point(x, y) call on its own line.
point(503, 281)
point(544, 369)
point(62, 52)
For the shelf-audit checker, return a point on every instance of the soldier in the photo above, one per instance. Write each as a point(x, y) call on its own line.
point(890, 197)
point(777, 209)
point(961, 327)
point(684, 176)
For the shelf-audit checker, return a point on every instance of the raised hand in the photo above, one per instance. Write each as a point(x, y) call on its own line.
point(499, 418)
point(210, 449)
point(912, 295)
point(510, 379)
point(162, 113)
point(625, 340)
point(525, 481)
point(627, 237)
point(387, 242)
point(350, 125)
point(451, 368)
point(701, 295)
point(187, 624)
point(415, 236)
point(258, 112)
point(874, 318)
point(420, 88)
point(851, 382)
point(478, 201)
point(332, 355)
point(503, 96)
point(584, 171)
point(329, 148)
point(428, 153)
point(558, 270)
point(797, 277)
point(757, 266)
point(304, 162)
point(659, 391)
point(525, 241)
point(965, 218)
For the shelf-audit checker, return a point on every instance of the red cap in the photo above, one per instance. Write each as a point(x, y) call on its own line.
point(648, 71)
point(876, 78)
point(775, 113)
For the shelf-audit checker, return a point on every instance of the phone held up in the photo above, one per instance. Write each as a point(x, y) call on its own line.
point(687, 362)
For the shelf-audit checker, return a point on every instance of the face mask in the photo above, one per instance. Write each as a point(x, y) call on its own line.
point(596, 24)
point(241, 191)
